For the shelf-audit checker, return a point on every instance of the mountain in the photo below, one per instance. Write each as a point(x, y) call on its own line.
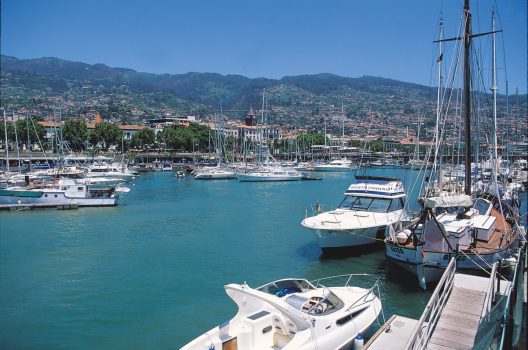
point(40, 85)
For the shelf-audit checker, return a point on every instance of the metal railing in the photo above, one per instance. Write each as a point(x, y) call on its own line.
point(319, 208)
point(490, 292)
point(508, 317)
point(425, 326)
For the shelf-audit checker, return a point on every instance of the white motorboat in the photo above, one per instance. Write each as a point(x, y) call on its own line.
point(370, 205)
point(100, 181)
point(61, 193)
point(269, 173)
point(103, 170)
point(213, 173)
point(336, 166)
point(294, 314)
point(166, 166)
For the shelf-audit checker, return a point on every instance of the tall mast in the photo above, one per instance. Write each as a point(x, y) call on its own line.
point(28, 141)
point(467, 96)
point(6, 148)
point(494, 90)
point(438, 103)
point(16, 143)
point(439, 92)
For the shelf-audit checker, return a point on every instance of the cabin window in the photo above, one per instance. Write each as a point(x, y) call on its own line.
point(79, 188)
point(266, 329)
point(396, 204)
point(366, 204)
point(258, 315)
point(349, 317)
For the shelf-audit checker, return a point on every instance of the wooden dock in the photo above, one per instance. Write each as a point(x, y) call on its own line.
point(460, 318)
point(451, 318)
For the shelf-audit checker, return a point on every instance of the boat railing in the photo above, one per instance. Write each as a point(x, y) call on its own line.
point(348, 277)
point(511, 318)
point(319, 208)
point(426, 324)
point(490, 292)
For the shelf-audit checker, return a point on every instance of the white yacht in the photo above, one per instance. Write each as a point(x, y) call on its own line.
point(213, 173)
point(64, 192)
point(294, 314)
point(108, 171)
point(336, 165)
point(269, 173)
point(166, 166)
point(370, 205)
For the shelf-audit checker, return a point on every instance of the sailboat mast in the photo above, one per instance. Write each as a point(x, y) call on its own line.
point(28, 141)
point(494, 90)
point(6, 148)
point(439, 91)
point(467, 96)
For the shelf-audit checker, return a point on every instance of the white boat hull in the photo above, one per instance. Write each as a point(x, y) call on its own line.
point(434, 263)
point(266, 178)
point(338, 239)
point(54, 199)
point(326, 168)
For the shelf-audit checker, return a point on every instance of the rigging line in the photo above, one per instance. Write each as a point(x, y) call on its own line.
point(40, 143)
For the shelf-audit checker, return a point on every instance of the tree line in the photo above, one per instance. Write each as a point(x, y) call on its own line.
point(74, 135)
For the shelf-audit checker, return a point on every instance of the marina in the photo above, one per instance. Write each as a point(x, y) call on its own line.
point(129, 275)
point(284, 201)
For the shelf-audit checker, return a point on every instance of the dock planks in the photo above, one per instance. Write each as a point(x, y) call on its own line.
point(459, 320)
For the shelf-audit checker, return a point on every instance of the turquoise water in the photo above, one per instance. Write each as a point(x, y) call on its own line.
point(150, 272)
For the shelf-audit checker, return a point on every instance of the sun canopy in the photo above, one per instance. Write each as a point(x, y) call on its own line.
point(448, 201)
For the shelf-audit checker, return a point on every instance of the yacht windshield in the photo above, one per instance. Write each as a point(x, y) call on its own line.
point(371, 204)
point(284, 287)
point(323, 306)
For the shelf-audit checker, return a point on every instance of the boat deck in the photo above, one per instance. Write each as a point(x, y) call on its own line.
point(497, 240)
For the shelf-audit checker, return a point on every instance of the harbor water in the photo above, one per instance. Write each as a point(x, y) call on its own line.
point(149, 273)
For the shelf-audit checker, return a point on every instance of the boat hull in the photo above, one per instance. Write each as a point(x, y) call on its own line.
point(333, 169)
point(50, 199)
point(266, 178)
point(434, 263)
point(336, 240)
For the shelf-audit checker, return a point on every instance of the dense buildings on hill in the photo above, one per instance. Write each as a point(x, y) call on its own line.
point(372, 107)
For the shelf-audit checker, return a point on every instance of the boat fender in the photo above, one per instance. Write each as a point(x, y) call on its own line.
point(403, 236)
point(358, 342)
point(511, 261)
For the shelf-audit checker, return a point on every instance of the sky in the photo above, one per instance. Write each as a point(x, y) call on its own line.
point(261, 38)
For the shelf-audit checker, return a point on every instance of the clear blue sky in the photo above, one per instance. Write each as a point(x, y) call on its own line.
point(256, 38)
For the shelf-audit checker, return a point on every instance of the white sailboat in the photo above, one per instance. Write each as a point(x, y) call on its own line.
point(219, 172)
point(267, 168)
point(472, 229)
